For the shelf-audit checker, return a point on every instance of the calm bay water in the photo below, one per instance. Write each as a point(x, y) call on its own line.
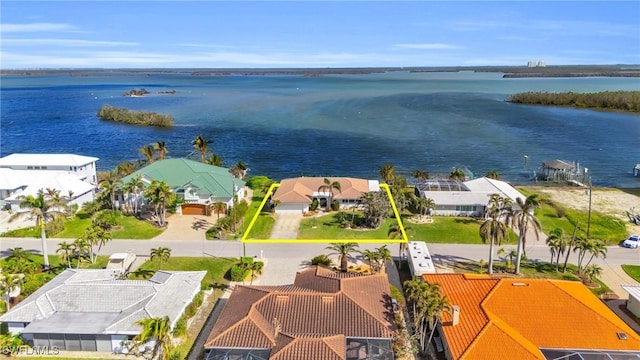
point(333, 125)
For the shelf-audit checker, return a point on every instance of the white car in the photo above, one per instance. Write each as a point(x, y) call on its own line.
point(632, 242)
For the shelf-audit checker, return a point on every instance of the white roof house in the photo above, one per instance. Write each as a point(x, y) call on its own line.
point(467, 198)
point(633, 303)
point(104, 310)
point(26, 174)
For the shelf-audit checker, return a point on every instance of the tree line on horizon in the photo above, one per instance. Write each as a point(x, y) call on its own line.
point(628, 101)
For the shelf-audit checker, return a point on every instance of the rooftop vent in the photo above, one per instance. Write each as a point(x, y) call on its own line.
point(622, 336)
point(519, 284)
point(455, 315)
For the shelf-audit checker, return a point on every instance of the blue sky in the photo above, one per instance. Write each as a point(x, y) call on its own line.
point(268, 34)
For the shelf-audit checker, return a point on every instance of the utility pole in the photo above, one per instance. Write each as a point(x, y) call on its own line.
point(589, 214)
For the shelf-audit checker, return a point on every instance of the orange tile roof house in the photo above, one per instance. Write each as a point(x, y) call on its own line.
point(295, 195)
point(324, 315)
point(529, 319)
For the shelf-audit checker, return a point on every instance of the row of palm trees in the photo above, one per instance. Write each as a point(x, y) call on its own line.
point(501, 216)
point(427, 304)
point(560, 246)
point(84, 246)
point(376, 258)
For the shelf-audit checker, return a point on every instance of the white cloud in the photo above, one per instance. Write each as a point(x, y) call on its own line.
point(37, 27)
point(429, 46)
point(65, 42)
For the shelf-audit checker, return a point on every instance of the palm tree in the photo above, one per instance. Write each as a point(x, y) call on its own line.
point(125, 168)
point(18, 254)
point(202, 146)
point(388, 173)
point(370, 257)
point(423, 205)
point(329, 186)
point(256, 270)
point(93, 236)
point(162, 149)
point(65, 250)
point(557, 245)
point(493, 175)
point(428, 303)
point(493, 229)
point(111, 184)
point(159, 194)
point(162, 254)
point(42, 209)
point(219, 207)
point(383, 256)
point(214, 160)
point(147, 151)
point(420, 175)
point(524, 217)
point(156, 331)
point(343, 250)
point(593, 271)
point(80, 246)
point(457, 174)
point(133, 188)
point(239, 170)
point(8, 284)
point(599, 249)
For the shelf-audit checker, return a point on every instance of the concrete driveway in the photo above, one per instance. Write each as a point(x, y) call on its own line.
point(286, 226)
point(187, 227)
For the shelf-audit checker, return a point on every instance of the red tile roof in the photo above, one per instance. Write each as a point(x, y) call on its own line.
point(300, 190)
point(309, 319)
point(517, 317)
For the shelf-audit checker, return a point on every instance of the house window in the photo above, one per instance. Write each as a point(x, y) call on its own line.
point(465, 208)
point(29, 167)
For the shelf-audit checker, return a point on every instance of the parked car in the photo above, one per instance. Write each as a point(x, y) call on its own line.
point(632, 242)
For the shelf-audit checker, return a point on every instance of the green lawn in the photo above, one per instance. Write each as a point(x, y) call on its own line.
point(328, 227)
point(216, 269)
point(264, 223)
point(633, 271)
point(450, 230)
point(552, 215)
point(129, 227)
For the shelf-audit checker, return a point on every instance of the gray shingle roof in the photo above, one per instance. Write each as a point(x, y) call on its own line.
point(111, 305)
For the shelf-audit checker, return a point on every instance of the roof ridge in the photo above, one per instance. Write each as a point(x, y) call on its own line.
point(606, 318)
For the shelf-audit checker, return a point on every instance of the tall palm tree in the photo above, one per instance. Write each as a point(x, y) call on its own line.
point(423, 205)
point(159, 194)
point(133, 188)
point(202, 146)
point(81, 248)
point(65, 250)
point(256, 270)
point(328, 186)
point(388, 173)
point(111, 184)
point(219, 207)
point(599, 249)
point(524, 218)
point(214, 160)
point(125, 168)
point(156, 331)
point(95, 236)
point(8, 284)
point(42, 209)
point(371, 257)
point(557, 245)
point(494, 229)
point(162, 149)
point(147, 151)
point(383, 256)
point(239, 170)
point(162, 254)
point(343, 250)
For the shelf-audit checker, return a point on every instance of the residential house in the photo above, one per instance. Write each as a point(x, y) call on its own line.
point(633, 302)
point(324, 315)
point(25, 174)
point(469, 198)
point(200, 185)
point(90, 310)
point(297, 194)
point(528, 319)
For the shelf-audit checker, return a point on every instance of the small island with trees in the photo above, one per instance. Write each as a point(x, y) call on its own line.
point(143, 91)
point(144, 118)
point(626, 101)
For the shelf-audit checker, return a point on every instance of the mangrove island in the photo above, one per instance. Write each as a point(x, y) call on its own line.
point(144, 118)
point(627, 101)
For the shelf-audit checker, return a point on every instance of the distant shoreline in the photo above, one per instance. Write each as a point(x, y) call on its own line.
point(507, 71)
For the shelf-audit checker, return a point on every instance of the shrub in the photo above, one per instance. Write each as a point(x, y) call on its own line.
point(180, 329)
point(237, 273)
point(106, 219)
point(54, 226)
point(335, 205)
point(314, 205)
point(190, 310)
point(198, 299)
point(321, 260)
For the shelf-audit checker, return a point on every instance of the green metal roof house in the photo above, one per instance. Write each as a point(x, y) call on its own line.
point(199, 184)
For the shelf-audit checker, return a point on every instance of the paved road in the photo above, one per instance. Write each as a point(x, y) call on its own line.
point(278, 255)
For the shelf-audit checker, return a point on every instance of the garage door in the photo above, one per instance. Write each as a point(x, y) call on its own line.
point(194, 209)
point(292, 208)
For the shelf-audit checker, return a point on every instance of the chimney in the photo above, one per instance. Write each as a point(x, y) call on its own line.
point(455, 315)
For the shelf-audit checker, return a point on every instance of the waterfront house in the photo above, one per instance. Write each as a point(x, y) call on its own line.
point(25, 174)
point(324, 315)
point(90, 310)
point(200, 185)
point(528, 319)
point(297, 194)
point(469, 198)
